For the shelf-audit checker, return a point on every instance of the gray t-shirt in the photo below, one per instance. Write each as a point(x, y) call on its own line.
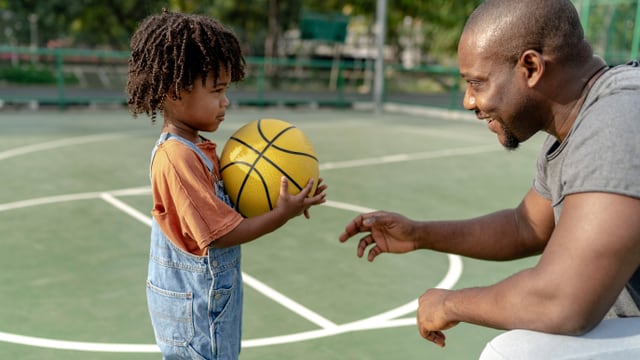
point(601, 153)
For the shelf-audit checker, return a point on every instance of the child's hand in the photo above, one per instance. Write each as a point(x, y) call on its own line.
point(294, 205)
point(319, 191)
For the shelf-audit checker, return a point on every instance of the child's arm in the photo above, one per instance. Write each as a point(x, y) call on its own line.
point(287, 207)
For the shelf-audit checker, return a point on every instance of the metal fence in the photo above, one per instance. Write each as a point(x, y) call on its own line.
point(93, 77)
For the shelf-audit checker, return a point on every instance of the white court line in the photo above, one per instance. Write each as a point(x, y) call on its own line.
point(383, 320)
point(380, 321)
point(249, 280)
point(287, 302)
point(71, 197)
point(323, 166)
point(152, 348)
point(409, 157)
point(48, 200)
point(120, 205)
point(315, 334)
point(348, 207)
point(450, 279)
point(77, 345)
point(58, 143)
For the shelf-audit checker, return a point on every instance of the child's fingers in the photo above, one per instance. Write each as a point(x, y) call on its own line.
point(321, 189)
point(307, 189)
point(284, 185)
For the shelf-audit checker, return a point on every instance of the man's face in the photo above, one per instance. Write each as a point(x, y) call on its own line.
point(496, 92)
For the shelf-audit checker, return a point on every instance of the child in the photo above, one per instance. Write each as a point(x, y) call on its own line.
point(181, 66)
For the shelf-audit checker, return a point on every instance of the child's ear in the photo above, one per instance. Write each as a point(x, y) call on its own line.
point(172, 97)
point(172, 93)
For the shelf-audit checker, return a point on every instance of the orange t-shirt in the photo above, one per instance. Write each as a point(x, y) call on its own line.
point(184, 201)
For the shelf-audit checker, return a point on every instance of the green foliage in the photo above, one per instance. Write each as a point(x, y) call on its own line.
point(259, 23)
point(88, 23)
point(610, 29)
point(110, 23)
point(27, 74)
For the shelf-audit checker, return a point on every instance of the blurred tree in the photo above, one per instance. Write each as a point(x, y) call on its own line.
point(610, 29)
point(89, 23)
point(440, 21)
point(110, 22)
point(258, 23)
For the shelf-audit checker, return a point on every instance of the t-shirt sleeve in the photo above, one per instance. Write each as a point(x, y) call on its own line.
point(185, 204)
point(604, 157)
point(540, 182)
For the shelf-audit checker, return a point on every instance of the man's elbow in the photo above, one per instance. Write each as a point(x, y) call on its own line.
point(574, 322)
point(576, 327)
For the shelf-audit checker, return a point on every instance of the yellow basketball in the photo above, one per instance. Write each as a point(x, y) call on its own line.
point(257, 155)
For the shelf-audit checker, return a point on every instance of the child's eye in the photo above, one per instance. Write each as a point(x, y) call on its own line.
point(220, 89)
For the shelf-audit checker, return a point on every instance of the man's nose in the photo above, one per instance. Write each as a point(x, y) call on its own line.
point(469, 101)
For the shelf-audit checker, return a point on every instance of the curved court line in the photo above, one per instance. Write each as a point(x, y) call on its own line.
point(249, 280)
point(71, 197)
point(152, 348)
point(383, 320)
point(58, 143)
point(380, 321)
point(77, 345)
point(287, 302)
point(472, 150)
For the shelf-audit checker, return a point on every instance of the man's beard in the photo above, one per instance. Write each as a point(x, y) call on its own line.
point(511, 142)
point(524, 125)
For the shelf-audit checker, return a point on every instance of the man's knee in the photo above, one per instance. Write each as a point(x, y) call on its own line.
point(611, 339)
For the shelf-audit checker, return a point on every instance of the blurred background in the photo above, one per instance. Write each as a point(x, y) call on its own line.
point(344, 56)
point(299, 52)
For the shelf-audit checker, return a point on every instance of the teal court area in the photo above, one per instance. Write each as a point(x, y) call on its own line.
point(75, 213)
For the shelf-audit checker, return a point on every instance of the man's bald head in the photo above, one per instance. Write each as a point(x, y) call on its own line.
point(507, 28)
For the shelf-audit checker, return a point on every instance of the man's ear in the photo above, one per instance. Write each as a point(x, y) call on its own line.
point(533, 64)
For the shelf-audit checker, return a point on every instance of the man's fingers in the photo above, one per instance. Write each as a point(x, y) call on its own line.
point(436, 337)
point(360, 224)
point(363, 243)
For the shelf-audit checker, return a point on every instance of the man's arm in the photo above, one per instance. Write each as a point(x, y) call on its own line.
point(503, 235)
point(591, 254)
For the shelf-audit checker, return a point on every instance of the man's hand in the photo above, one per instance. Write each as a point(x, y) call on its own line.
point(432, 318)
point(387, 232)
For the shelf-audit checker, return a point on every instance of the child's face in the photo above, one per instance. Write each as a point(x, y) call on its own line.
point(203, 108)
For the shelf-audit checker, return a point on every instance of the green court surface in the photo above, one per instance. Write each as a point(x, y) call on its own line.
point(74, 219)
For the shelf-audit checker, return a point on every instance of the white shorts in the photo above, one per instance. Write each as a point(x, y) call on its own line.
point(617, 339)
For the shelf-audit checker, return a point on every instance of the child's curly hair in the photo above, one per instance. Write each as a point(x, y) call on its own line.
point(170, 50)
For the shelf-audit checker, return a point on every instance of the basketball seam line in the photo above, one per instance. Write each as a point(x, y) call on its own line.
point(261, 155)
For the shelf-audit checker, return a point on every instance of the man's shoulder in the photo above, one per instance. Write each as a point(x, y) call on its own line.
point(624, 75)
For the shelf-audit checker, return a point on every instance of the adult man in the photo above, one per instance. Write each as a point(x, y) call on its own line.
point(528, 68)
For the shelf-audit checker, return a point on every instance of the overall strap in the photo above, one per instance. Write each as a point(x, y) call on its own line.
point(218, 183)
point(166, 136)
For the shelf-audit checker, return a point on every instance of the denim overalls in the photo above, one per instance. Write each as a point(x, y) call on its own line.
point(195, 302)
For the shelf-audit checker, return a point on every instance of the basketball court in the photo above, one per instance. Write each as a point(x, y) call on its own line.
point(75, 215)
